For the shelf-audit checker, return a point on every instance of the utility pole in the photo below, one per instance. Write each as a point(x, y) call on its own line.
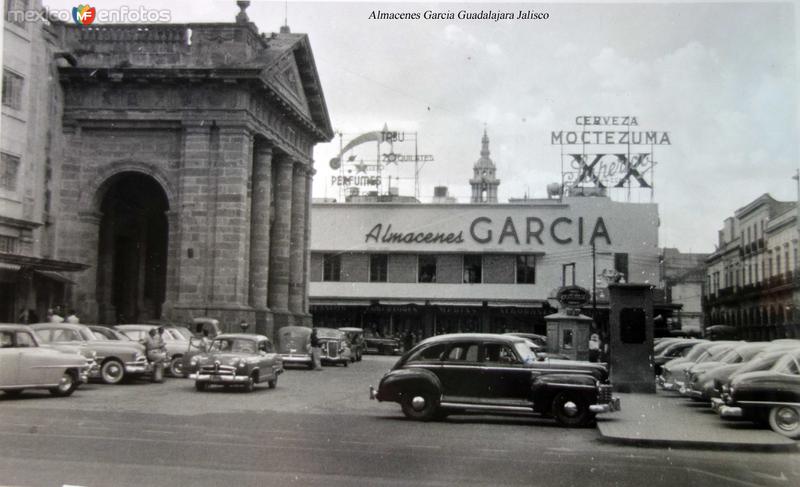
point(594, 283)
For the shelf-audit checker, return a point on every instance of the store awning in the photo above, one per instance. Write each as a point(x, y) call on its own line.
point(506, 304)
point(39, 264)
point(401, 302)
point(338, 302)
point(55, 276)
point(457, 303)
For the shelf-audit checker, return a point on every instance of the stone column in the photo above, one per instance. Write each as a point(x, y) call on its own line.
point(261, 201)
point(278, 289)
point(191, 235)
point(297, 259)
point(307, 240)
point(173, 258)
point(85, 297)
point(106, 313)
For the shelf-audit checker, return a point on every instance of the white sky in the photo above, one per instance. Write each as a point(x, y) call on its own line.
point(720, 77)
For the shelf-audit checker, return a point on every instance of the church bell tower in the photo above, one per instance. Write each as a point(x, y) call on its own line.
point(484, 181)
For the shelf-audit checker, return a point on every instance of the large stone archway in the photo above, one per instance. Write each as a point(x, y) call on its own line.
point(132, 248)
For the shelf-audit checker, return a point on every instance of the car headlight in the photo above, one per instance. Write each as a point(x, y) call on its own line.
point(138, 356)
point(194, 360)
point(241, 363)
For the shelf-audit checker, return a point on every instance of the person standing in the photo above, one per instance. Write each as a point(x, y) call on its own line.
point(73, 317)
point(54, 317)
point(315, 350)
point(594, 348)
point(408, 341)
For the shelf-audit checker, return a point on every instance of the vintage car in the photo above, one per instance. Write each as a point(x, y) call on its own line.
point(768, 396)
point(739, 353)
point(381, 345)
point(294, 345)
point(204, 326)
point(672, 350)
point(334, 347)
point(720, 378)
point(176, 345)
point(494, 374)
point(237, 359)
point(357, 344)
point(25, 364)
point(115, 359)
point(672, 373)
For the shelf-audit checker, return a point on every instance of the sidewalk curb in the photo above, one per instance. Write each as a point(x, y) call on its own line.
point(699, 445)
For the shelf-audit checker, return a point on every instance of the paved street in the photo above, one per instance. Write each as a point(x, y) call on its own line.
point(319, 428)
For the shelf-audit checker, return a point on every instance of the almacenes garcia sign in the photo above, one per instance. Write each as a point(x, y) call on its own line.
point(483, 230)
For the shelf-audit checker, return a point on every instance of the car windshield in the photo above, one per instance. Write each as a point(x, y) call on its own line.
point(761, 362)
point(181, 332)
point(730, 357)
point(525, 352)
point(328, 333)
point(233, 345)
point(697, 351)
point(177, 334)
point(788, 364)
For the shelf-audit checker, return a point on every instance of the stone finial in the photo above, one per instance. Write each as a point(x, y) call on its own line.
point(241, 17)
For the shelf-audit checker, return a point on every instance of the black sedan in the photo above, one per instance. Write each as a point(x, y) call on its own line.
point(494, 374)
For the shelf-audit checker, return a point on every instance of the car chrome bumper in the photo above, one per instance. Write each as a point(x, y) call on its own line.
point(296, 359)
point(730, 412)
point(220, 379)
point(609, 407)
point(137, 368)
point(716, 404)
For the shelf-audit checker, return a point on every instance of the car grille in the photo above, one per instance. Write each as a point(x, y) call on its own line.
point(604, 394)
point(330, 349)
point(218, 370)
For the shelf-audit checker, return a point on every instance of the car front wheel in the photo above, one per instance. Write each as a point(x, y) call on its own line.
point(250, 385)
point(571, 409)
point(176, 367)
point(112, 372)
point(785, 420)
point(420, 407)
point(66, 386)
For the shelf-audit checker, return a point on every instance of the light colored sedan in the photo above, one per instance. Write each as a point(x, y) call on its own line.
point(116, 359)
point(25, 364)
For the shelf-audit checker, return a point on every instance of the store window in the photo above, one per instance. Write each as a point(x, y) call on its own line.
point(331, 267)
point(9, 167)
point(8, 245)
point(526, 269)
point(426, 269)
point(473, 265)
point(15, 12)
point(12, 90)
point(378, 265)
point(566, 339)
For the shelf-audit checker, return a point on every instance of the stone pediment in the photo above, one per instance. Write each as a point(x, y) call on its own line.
point(284, 77)
point(290, 69)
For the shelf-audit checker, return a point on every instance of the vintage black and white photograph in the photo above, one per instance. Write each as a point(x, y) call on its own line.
point(377, 243)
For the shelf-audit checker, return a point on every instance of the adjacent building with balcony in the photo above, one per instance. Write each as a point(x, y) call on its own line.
point(752, 277)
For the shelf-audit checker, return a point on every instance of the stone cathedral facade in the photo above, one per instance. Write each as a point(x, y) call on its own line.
point(186, 171)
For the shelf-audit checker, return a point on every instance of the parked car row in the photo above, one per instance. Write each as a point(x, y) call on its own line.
point(756, 381)
point(114, 354)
